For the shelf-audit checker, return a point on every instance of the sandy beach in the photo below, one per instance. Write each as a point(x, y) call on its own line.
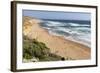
point(58, 45)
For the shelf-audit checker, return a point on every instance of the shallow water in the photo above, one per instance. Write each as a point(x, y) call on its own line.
point(79, 31)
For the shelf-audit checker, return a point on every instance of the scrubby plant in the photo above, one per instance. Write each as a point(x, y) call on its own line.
point(34, 48)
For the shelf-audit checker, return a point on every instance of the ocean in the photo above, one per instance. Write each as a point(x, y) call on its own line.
point(75, 30)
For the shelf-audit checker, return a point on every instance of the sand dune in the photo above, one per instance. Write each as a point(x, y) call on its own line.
point(57, 44)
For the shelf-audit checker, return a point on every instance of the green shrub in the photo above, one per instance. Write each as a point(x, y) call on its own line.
point(27, 56)
point(34, 48)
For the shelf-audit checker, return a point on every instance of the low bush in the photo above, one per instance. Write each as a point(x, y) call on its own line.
point(33, 48)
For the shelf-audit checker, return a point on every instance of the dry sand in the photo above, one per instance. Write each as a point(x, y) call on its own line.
point(58, 45)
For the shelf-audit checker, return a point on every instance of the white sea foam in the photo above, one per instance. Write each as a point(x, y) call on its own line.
point(73, 31)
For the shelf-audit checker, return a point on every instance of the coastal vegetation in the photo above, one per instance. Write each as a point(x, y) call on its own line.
point(32, 48)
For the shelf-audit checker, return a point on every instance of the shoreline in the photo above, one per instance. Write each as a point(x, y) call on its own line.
point(58, 44)
point(71, 39)
point(61, 37)
point(64, 38)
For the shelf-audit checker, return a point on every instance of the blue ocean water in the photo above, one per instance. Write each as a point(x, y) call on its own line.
point(75, 30)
